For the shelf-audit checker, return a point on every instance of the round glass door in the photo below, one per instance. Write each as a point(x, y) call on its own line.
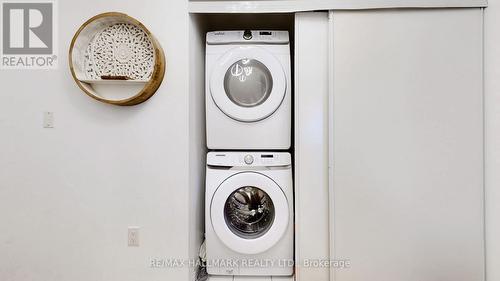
point(248, 82)
point(249, 212)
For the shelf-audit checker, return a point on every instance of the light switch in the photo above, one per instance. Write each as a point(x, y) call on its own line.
point(48, 119)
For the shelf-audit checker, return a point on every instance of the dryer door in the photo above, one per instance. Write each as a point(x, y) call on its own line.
point(248, 83)
point(249, 213)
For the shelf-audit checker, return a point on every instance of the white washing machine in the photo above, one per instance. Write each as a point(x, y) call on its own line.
point(248, 90)
point(249, 214)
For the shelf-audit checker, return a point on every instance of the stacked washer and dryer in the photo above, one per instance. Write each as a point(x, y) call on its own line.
point(249, 190)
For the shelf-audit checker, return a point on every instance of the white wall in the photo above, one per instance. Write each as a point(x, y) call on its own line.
point(492, 108)
point(68, 194)
point(197, 149)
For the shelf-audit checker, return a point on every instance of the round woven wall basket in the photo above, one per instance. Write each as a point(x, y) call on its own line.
point(115, 59)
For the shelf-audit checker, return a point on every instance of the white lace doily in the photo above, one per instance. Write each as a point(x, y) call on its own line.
point(121, 49)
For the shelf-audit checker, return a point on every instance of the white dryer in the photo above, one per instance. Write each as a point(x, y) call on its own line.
point(249, 214)
point(248, 90)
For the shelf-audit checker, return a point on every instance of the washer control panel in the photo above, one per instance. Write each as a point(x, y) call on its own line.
point(249, 159)
point(248, 36)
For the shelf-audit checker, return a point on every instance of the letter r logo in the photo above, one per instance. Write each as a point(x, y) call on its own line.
point(27, 28)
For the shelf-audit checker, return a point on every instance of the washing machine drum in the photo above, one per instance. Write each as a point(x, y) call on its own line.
point(248, 83)
point(249, 213)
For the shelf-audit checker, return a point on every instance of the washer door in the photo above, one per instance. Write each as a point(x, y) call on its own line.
point(249, 213)
point(248, 83)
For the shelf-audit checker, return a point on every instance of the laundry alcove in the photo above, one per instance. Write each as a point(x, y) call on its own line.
point(199, 25)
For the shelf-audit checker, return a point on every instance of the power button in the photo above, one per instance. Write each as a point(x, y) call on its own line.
point(247, 35)
point(248, 159)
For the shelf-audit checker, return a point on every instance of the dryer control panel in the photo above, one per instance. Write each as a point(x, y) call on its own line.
point(249, 159)
point(248, 36)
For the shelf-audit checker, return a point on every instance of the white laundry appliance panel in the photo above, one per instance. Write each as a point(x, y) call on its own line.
point(248, 90)
point(249, 214)
point(251, 278)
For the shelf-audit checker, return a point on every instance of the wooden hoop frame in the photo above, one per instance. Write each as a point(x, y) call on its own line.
point(151, 85)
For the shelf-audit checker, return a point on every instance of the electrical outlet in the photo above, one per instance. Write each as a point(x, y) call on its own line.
point(48, 119)
point(133, 236)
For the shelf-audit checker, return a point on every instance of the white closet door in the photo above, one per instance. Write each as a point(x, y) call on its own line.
point(311, 149)
point(408, 144)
